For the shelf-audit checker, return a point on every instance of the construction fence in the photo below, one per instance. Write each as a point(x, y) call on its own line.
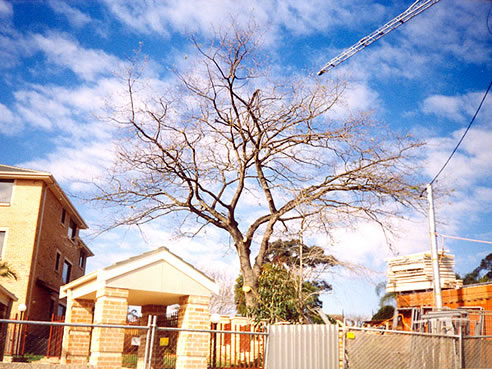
point(143, 346)
point(299, 347)
point(366, 348)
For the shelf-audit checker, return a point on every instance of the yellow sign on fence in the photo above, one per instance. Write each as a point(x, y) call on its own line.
point(164, 341)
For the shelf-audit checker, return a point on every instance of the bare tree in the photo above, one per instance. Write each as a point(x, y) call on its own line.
point(223, 302)
point(233, 146)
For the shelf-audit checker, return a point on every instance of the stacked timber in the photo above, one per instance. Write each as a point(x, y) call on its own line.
point(414, 272)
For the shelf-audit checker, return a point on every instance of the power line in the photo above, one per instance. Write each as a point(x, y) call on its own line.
point(464, 239)
point(464, 134)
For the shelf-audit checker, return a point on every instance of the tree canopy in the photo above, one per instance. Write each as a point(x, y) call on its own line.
point(482, 273)
point(289, 285)
point(236, 145)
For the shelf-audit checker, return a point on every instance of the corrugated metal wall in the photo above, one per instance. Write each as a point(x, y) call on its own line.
point(302, 347)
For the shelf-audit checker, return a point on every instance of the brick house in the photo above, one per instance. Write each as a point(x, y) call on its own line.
point(39, 240)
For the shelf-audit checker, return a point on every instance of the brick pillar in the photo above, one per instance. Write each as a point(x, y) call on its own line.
point(160, 312)
point(107, 343)
point(76, 340)
point(192, 349)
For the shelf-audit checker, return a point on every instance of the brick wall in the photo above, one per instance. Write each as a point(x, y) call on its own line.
point(76, 344)
point(479, 295)
point(193, 348)
point(107, 343)
point(53, 238)
point(20, 220)
point(38, 283)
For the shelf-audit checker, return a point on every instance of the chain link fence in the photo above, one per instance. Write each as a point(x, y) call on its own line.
point(477, 352)
point(366, 348)
point(372, 348)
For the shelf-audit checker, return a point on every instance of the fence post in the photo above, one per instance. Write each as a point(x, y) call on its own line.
point(266, 346)
point(147, 342)
point(460, 348)
point(152, 337)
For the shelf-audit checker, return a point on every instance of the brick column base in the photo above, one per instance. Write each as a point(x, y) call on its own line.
point(77, 339)
point(192, 349)
point(107, 343)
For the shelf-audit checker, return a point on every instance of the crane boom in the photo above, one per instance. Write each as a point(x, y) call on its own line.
point(416, 8)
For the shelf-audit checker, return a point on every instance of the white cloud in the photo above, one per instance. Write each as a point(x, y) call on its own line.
point(205, 251)
point(72, 111)
point(358, 97)
point(449, 33)
point(9, 124)
point(457, 108)
point(77, 167)
point(87, 64)
point(453, 27)
point(195, 16)
point(6, 9)
point(74, 16)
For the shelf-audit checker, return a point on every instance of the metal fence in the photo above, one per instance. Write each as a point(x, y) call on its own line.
point(144, 345)
point(303, 347)
point(477, 352)
point(287, 346)
point(245, 348)
point(480, 322)
point(366, 348)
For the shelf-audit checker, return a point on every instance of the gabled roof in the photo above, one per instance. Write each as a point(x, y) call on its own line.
point(8, 168)
point(155, 277)
point(6, 295)
point(10, 172)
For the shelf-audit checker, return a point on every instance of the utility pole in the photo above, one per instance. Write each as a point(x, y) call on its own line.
point(416, 8)
point(436, 277)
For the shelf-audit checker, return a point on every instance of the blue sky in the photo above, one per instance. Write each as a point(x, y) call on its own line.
point(60, 62)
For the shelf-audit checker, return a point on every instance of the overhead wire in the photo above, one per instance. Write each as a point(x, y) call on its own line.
point(464, 134)
point(464, 239)
point(488, 17)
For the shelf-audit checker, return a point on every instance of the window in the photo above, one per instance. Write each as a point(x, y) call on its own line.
point(57, 261)
point(72, 229)
point(67, 271)
point(62, 309)
point(2, 241)
point(82, 258)
point(64, 215)
point(52, 308)
point(6, 186)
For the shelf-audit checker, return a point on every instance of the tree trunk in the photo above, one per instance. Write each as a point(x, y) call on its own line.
point(250, 278)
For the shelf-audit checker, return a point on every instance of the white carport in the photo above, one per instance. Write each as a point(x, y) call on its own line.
point(153, 280)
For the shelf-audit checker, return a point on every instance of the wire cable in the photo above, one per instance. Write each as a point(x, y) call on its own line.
point(464, 134)
point(488, 17)
point(464, 239)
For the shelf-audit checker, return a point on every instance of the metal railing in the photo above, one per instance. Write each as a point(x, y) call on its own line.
point(144, 345)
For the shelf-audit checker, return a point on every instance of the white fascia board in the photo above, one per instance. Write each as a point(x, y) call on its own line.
point(192, 273)
point(79, 281)
point(117, 269)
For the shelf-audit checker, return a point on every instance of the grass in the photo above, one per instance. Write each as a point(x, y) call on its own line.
point(129, 360)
